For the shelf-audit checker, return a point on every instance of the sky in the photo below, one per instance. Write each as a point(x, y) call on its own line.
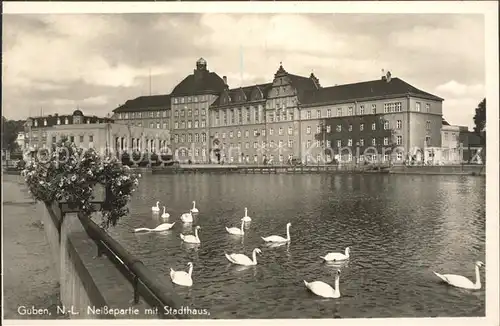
point(55, 63)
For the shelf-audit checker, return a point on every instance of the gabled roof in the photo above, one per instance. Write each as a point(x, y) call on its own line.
point(445, 123)
point(247, 90)
point(364, 90)
point(204, 82)
point(145, 103)
point(302, 85)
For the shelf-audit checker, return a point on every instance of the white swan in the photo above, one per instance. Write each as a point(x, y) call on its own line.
point(181, 277)
point(241, 259)
point(461, 281)
point(323, 289)
point(165, 214)
point(337, 256)
point(277, 238)
point(156, 208)
point(187, 217)
point(194, 209)
point(246, 218)
point(161, 227)
point(237, 231)
point(191, 238)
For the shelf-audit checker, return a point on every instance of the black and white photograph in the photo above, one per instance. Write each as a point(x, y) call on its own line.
point(239, 160)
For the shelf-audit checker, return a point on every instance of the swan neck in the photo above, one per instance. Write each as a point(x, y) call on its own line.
point(254, 257)
point(242, 226)
point(337, 285)
point(288, 232)
point(478, 278)
point(196, 233)
point(347, 253)
point(190, 272)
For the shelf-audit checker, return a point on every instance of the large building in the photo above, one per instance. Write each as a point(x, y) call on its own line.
point(291, 117)
point(94, 132)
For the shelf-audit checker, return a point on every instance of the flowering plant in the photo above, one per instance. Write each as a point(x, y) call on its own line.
point(68, 173)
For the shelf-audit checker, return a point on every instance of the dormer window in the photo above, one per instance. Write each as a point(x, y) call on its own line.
point(58, 121)
point(66, 121)
point(44, 122)
point(88, 121)
point(36, 123)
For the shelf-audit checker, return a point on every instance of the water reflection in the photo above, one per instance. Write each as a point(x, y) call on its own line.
point(400, 228)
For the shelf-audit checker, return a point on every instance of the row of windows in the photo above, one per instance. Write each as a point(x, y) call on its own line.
point(66, 121)
point(361, 142)
point(81, 138)
point(190, 99)
point(319, 157)
point(182, 138)
point(151, 114)
point(190, 124)
point(189, 113)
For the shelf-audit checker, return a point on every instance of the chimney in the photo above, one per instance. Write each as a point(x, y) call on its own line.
point(224, 78)
point(384, 78)
point(388, 76)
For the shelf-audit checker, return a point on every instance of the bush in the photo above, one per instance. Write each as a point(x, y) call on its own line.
point(68, 173)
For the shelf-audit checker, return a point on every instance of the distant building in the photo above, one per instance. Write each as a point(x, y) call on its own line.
point(290, 117)
point(451, 151)
point(94, 132)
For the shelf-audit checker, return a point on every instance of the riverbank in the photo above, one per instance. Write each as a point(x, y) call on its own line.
point(30, 278)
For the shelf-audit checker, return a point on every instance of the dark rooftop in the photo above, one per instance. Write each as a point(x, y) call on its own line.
point(244, 94)
point(364, 90)
point(196, 84)
point(445, 123)
point(145, 103)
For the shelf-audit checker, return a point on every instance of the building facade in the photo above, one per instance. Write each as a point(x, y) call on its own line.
point(101, 134)
point(291, 117)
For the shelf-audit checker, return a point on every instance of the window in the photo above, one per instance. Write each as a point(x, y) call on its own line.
point(328, 143)
point(36, 123)
point(417, 106)
point(386, 157)
point(374, 108)
point(339, 128)
point(158, 113)
point(204, 137)
point(361, 142)
point(428, 125)
point(151, 114)
point(318, 114)
point(176, 138)
point(427, 107)
point(176, 114)
point(398, 106)
point(350, 127)
point(427, 140)
point(399, 156)
point(203, 123)
point(196, 123)
point(349, 111)
point(158, 125)
point(349, 157)
point(197, 137)
point(290, 143)
point(81, 139)
point(54, 139)
point(349, 142)
point(230, 134)
point(223, 135)
point(66, 121)
point(318, 129)
point(399, 140)
point(190, 138)
point(339, 143)
point(308, 114)
point(361, 109)
point(374, 142)
point(44, 122)
point(151, 125)
point(247, 145)
point(361, 126)
point(328, 129)
point(280, 144)
point(308, 130)
point(271, 132)
point(374, 126)
point(386, 125)
point(386, 141)
point(339, 112)
point(176, 125)
point(398, 124)
point(329, 113)
point(318, 143)
point(72, 139)
point(255, 132)
point(263, 132)
point(280, 131)
point(164, 125)
point(290, 131)
point(308, 144)
point(190, 113)
point(255, 144)
point(238, 134)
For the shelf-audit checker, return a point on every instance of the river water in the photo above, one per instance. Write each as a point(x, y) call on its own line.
point(399, 228)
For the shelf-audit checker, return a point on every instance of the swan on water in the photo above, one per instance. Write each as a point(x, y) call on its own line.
point(237, 231)
point(161, 227)
point(277, 238)
point(461, 281)
point(187, 217)
point(165, 214)
point(337, 256)
point(156, 208)
point(191, 238)
point(246, 218)
point(241, 259)
point(194, 209)
point(323, 289)
point(181, 277)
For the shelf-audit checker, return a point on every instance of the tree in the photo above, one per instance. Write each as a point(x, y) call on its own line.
point(10, 129)
point(480, 119)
